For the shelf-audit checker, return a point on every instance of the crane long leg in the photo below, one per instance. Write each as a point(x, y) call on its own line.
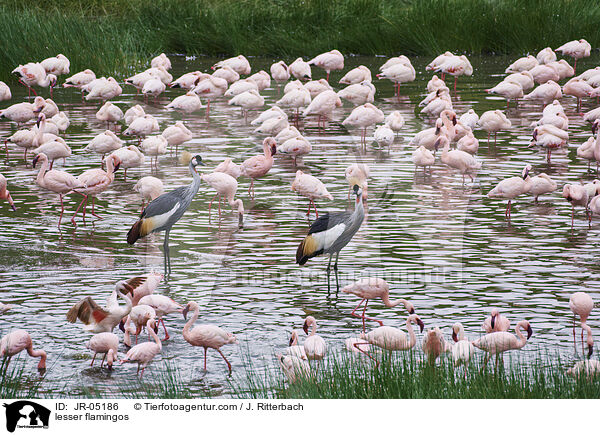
point(166, 253)
point(328, 273)
point(335, 268)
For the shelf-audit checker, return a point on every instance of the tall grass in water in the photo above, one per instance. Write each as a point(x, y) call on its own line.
point(345, 376)
point(17, 380)
point(108, 35)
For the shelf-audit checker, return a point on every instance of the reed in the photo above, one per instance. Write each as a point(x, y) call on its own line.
point(407, 376)
point(110, 36)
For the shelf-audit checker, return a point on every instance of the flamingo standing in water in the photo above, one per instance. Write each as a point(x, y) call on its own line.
point(97, 181)
point(280, 72)
point(23, 112)
point(582, 304)
point(496, 322)
point(210, 88)
point(226, 186)
point(512, 187)
point(373, 288)
point(463, 350)
point(498, 342)
point(104, 143)
point(576, 194)
point(143, 353)
point(576, 50)
point(229, 167)
point(97, 319)
point(4, 193)
point(17, 341)
point(392, 339)
point(149, 188)
point(310, 187)
point(363, 117)
point(129, 157)
point(34, 74)
point(60, 182)
point(206, 336)
point(331, 61)
point(108, 113)
point(434, 345)
point(295, 349)
point(163, 305)
point(314, 345)
point(106, 343)
point(258, 166)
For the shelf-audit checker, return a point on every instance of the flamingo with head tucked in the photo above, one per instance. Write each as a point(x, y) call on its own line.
point(143, 353)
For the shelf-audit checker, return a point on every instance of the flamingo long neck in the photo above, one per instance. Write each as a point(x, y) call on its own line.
point(313, 329)
point(41, 174)
point(521, 338)
point(128, 303)
point(190, 323)
point(386, 301)
point(445, 149)
point(412, 338)
point(37, 354)
point(110, 357)
point(588, 330)
point(153, 335)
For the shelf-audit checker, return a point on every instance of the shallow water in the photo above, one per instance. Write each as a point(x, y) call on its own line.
point(444, 246)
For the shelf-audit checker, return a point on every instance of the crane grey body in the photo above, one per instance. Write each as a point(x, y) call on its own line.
point(162, 213)
point(329, 234)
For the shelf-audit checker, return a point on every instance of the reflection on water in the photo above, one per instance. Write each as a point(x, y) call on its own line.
point(445, 246)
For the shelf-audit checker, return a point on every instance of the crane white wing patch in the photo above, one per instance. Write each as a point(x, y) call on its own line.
point(161, 219)
point(326, 238)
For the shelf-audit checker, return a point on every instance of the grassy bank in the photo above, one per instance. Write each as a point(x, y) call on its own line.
point(340, 376)
point(405, 376)
point(109, 35)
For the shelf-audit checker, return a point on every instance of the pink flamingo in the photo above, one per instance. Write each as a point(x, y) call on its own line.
point(314, 345)
point(434, 344)
point(106, 343)
point(496, 322)
point(130, 157)
point(389, 338)
point(323, 105)
point(97, 181)
point(34, 74)
point(210, 88)
point(144, 285)
point(499, 342)
point(363, 117)
point(227, 166)
point(177, 135)
point(16, 341)
point(23, 112)
point(4, 193)
point(143, 353)
point(97, 319)
point(206, 336)
point(149, 189)
point(310, 187)
point(373, 288)
point(358, 173)
point(163, 305)
point(258, 166)
point(60, 182)
point(139, 315)
point(582, 304)
point(226, 186)
point(331, 61)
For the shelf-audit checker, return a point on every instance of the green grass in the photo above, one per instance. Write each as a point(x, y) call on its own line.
point(404, 375)
point(109, 36)
point(17, 382)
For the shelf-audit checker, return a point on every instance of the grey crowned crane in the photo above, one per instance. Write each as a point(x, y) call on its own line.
point(330, 233)
point(162, 213)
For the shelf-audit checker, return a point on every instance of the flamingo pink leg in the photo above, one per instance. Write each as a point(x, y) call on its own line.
point(228, 365)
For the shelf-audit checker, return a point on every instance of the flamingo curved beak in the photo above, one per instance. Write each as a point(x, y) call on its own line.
point(291, 340)
point(305, 328)
point(421, 324)
point(530, 331)
point(35, 160)
point(493, 322)
point(454, 336)
point(591, 350)
point(185, 311)
point(122, 326)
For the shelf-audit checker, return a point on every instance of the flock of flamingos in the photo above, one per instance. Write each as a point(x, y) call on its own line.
point(133, 305)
